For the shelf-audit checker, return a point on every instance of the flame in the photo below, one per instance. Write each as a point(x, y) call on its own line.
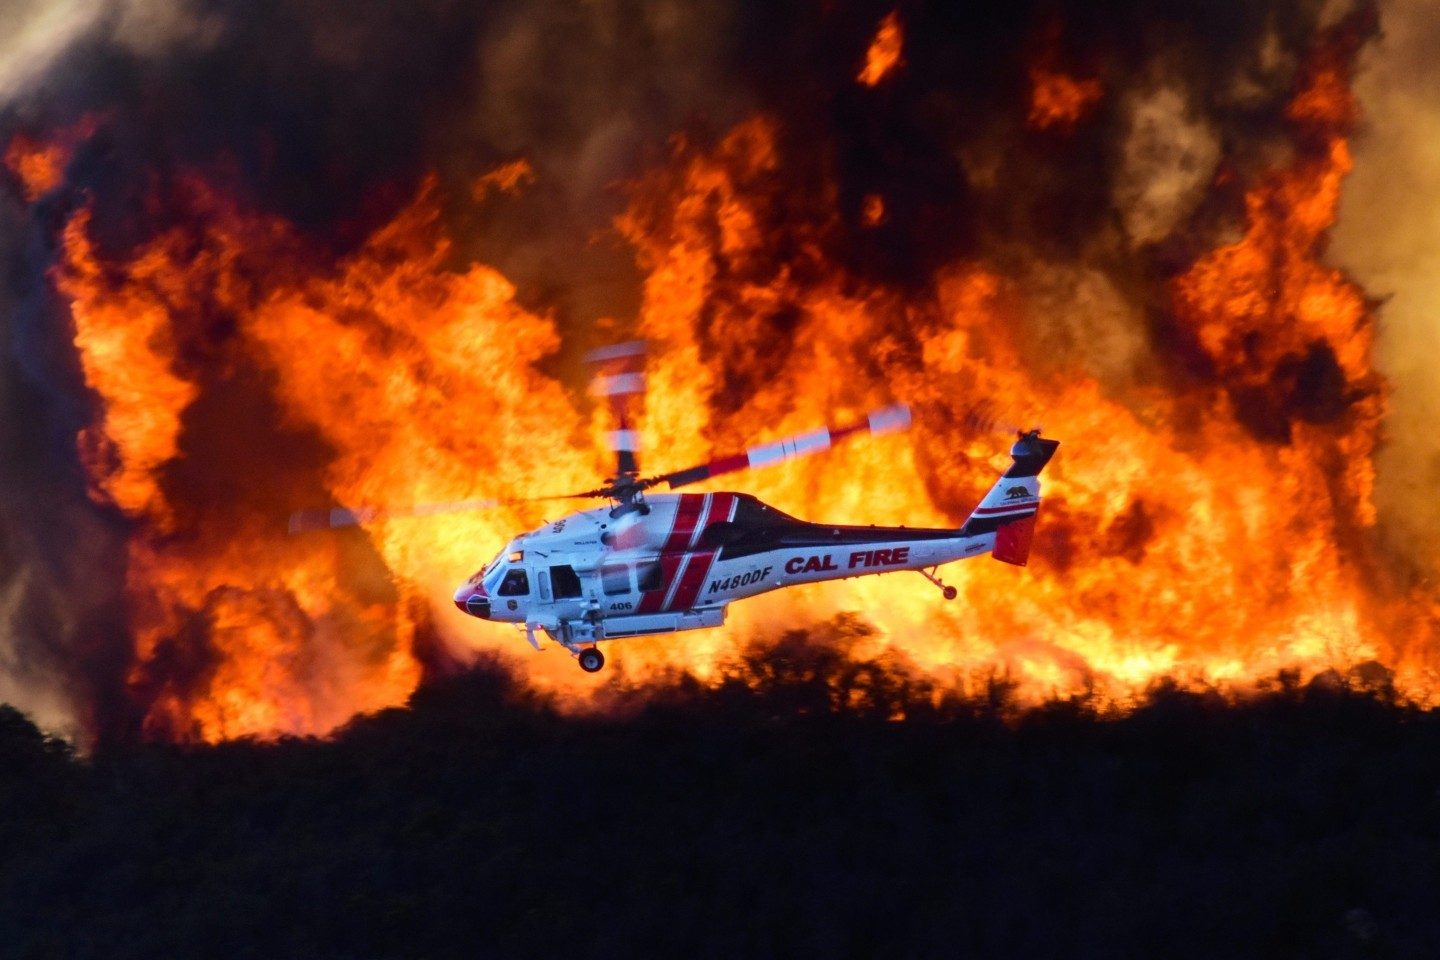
point(506, 178)
point(420, 377)
point(122, 332)
point(1058, 99)
point(872, 210)
point(39, 164)
point(1213, 529)
point(1150, 524)
point(883, 56)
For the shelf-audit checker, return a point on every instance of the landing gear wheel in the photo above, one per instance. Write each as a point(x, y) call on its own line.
point(591, 660)
point(949, 593)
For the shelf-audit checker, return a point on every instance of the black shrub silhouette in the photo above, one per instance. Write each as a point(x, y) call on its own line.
point(810, 805)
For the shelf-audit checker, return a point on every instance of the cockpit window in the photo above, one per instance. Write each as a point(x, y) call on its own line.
point(515, 584)
point(492, 576)
point(487, 569)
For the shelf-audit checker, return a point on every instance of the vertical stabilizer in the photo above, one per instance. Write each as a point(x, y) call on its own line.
point(1009, 509)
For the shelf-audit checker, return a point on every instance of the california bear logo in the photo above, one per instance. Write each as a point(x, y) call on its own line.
point(1017, 493)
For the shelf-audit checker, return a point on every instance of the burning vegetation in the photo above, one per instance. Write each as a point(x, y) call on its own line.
point(221, 327)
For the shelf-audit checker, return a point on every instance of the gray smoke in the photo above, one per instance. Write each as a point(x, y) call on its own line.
point(1388, 235)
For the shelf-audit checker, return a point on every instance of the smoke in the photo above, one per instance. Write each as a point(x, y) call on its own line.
point(330, 114)
point(1389, 236)
point(588, 94)
point(1168, 157)
point(32, 34)
point(63, 645)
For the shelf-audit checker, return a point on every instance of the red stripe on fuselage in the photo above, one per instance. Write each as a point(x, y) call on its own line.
point(686, 552)
point(687, 512)
point(701, 560)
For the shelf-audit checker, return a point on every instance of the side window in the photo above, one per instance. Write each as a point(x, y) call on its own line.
point(647, 575)
point(615, 578)
point(565, 581)
point(515, 584)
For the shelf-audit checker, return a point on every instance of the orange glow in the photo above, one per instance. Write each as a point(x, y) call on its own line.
point(883, 56)
point(506, 178)
point(39, 165)
point(1059, 101)
point(872, 212)
point(1174, 540)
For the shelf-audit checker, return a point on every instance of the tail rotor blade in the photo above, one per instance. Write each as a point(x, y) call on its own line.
point(886, 420)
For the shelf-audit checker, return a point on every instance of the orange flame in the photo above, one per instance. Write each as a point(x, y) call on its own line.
point(1058, 100)
point(1174, 542)
point(381, 357)
point(1150, 520)
point(884, 53)
point(872, 210)
point(506, 178)
point(39, 165)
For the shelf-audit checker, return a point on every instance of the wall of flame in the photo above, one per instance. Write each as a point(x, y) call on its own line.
point(1211, 517)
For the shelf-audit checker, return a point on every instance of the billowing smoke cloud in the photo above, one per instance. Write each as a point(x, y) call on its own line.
point(1389, 234)
point(329, 114)
point(63, 646)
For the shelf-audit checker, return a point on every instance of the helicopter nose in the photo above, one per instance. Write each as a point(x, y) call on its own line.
point(475, 604)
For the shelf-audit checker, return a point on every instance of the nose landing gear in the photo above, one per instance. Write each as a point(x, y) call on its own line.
point(591, 659)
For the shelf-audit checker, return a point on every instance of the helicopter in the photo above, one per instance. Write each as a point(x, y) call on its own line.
point(656, 563)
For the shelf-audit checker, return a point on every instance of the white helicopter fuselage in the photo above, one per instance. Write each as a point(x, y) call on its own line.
point(676, 561)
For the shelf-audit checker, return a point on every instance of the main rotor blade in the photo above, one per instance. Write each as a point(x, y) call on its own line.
point(620, 377)
point(303, 521)
point(877, 422)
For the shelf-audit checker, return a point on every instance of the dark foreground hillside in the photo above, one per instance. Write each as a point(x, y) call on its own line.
point(742, 823)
